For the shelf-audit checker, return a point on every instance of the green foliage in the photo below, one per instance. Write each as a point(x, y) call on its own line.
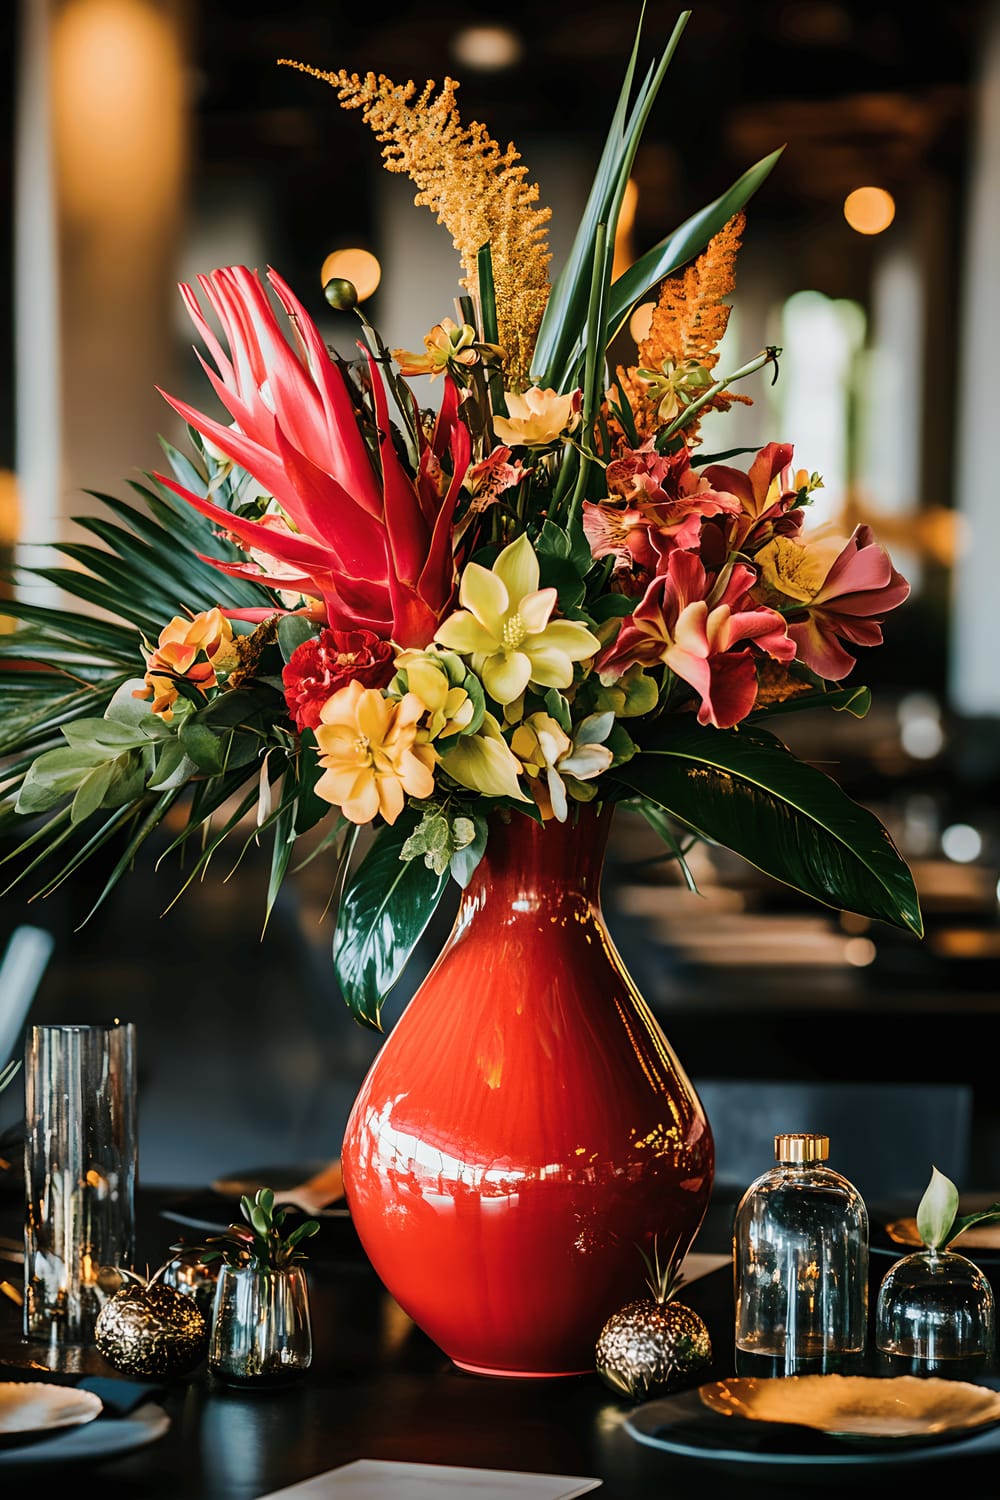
point(261, 1241)
point(384, 910)
point(938, 1221)
point(745, 790)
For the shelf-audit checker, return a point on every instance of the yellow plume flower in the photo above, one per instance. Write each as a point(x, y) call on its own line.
point(477, 191)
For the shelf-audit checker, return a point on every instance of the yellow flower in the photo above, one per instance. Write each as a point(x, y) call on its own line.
point(506, 628)
point(448, 708)
point(483, 762)
point(548, 755)
point(368, 751)
point(447, 345)
point(537, 417)
point(674, 386)
point(797, 570)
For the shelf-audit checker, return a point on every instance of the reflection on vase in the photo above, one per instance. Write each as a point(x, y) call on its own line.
point(261, 1332)
point(526, 1125)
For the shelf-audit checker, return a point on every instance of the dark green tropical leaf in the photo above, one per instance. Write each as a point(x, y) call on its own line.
point(855, 701)
point(745, 790)
point(566, 308)
point(293, 630)
point(383, 913)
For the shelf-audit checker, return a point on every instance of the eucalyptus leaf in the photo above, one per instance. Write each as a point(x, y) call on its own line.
point(382, 915)
point(174, 767)
point(203, 746)
point(127, 781)
point(102, 734)
point(90, 793)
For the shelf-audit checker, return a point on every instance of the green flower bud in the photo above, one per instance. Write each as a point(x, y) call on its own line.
point(341, 293)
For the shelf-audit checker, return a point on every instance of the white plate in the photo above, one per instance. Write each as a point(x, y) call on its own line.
point(92, 1442)
point(27, 1406)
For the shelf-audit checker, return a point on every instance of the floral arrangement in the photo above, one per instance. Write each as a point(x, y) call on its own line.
point(346, 609)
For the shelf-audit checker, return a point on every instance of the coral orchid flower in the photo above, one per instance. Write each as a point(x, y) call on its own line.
point(848, 589)
point(694, 635)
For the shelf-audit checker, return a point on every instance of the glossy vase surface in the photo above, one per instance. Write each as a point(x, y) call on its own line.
point(526, 1124)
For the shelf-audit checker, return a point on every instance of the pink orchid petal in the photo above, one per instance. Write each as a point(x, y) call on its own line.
point(732, 690)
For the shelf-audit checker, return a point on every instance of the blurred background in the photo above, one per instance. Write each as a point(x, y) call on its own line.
point(145, 141)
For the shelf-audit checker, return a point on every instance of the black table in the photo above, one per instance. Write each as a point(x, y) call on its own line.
point(379, 1389)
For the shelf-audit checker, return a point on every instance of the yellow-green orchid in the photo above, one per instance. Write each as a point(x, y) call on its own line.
point(549, 755)
point(436, 677)
point(506, 627)
point(484, 762)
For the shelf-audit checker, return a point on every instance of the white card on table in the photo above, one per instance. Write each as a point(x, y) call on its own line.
point(384, 1479)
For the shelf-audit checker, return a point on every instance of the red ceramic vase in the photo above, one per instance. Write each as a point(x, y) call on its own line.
point(526, 1123)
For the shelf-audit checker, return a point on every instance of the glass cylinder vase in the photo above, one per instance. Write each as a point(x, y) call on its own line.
point(80, 1163)
point(261, 1330)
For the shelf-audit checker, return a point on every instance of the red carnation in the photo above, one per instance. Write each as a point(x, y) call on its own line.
point(320, 666)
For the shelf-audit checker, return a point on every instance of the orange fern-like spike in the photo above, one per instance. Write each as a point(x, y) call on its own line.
point(686, 328)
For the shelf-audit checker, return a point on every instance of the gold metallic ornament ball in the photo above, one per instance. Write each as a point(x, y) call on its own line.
point(651, 1348)
point(152, 1330)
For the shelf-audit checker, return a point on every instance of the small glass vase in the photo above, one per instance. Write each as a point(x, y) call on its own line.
point(261, 1330)
point(935, 1316)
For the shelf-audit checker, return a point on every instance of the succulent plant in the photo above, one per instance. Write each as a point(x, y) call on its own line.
point(260, 1241)
point(654, 1344)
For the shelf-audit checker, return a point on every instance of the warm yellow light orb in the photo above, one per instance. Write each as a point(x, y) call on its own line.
point(359, 266)
point(642, 317)
point(487, 48)
point(869, 210)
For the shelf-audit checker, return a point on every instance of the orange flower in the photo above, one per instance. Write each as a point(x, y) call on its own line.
point(447, 345)
point(191, 649)
point(368, 751)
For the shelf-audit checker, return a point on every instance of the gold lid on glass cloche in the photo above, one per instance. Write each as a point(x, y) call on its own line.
point(801, 1147)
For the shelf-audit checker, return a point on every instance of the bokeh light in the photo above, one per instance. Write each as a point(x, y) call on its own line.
point(869, 210)
point(359, 266)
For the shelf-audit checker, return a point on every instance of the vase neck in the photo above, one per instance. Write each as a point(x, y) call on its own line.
point(539, 863)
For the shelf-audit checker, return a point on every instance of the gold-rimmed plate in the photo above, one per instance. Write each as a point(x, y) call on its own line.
point(860, 1408)
point(687, 1426)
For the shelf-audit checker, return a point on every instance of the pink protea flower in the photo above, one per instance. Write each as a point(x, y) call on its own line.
point(371, 541)
point(846, 589)
point(692, 625)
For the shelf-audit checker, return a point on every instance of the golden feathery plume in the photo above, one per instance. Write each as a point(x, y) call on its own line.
point(476, 190)
point(687, 326)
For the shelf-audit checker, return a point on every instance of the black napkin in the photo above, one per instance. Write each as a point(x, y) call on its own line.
point(120, 1396)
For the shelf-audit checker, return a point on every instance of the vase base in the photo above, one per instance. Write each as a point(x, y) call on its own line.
point(520, 1374)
